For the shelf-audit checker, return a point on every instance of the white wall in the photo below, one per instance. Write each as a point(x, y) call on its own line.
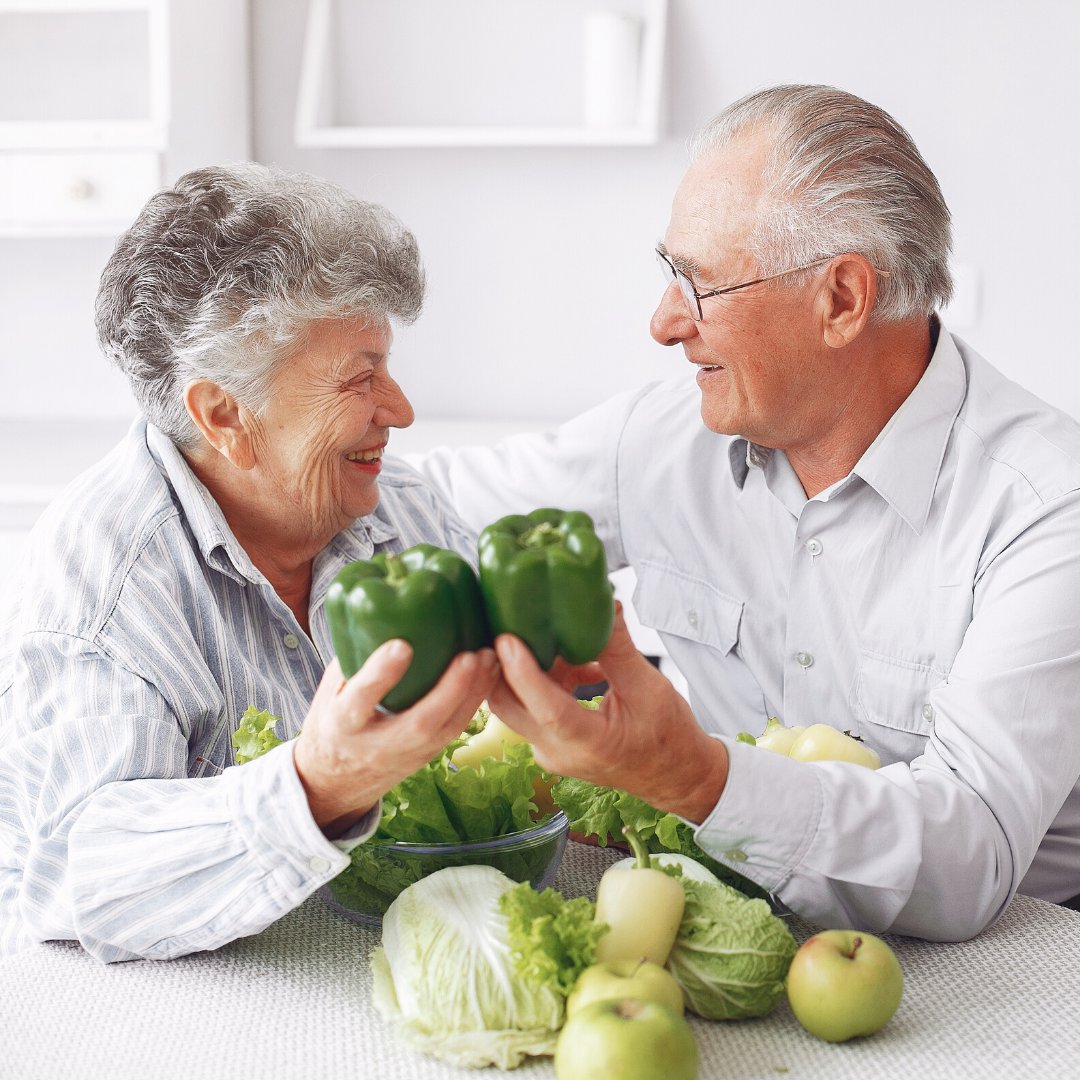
point(542, 279)
point(540, 265)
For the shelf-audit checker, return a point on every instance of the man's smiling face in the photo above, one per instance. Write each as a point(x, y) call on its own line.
point(758, 351)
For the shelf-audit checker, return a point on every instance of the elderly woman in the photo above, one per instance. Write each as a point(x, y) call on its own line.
point(181, 580)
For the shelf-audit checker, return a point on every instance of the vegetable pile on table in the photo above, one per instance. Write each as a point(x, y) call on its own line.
point(476, 970)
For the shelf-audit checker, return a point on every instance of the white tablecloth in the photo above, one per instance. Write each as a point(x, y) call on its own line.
point(293, 1003)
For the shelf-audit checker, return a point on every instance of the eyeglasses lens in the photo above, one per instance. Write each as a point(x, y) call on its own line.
point(686, 286)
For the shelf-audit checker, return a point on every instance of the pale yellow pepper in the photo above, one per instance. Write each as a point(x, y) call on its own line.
point(642, 907)
point(818, 742)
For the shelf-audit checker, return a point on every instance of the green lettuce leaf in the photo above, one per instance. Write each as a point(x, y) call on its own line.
point(602, 812)
point(255, 735)
point(552, 940)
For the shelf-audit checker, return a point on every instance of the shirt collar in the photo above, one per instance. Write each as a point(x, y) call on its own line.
point(903, 463)
point(744, 455)
point(215, 539)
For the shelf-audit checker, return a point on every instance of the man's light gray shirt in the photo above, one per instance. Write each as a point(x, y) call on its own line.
point(141, 633)
point(929, 602)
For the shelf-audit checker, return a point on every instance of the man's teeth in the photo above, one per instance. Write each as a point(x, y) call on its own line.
point(365, 455)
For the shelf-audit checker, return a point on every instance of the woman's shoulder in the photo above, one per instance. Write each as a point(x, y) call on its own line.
point(86, 541)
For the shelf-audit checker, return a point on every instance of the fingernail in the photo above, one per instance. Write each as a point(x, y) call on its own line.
point(397, 648)
point(507, 646)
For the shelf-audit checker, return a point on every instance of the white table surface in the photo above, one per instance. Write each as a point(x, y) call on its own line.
point(294, 1003)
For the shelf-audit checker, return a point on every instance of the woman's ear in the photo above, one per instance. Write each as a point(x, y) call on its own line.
point(224, 425)
point(850, 292)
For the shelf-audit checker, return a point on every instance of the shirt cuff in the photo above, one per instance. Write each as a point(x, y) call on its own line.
point(766, 817)
point(270, 808)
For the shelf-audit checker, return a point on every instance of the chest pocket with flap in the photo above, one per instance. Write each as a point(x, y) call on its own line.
point(672, 602)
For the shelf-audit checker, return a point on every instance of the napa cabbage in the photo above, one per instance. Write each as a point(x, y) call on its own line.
point(474, 968)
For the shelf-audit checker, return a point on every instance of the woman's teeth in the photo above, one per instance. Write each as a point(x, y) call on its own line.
point(365, 455)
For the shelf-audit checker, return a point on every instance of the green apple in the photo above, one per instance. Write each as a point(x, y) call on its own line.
point(640, 979)
point(628, 1040)
point(844, 983)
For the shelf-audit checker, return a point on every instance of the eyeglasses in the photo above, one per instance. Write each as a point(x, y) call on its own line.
point(693, 297)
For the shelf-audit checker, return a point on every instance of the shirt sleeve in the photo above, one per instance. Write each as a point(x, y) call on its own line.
point(574, 466)
point(105, 839)
point(937, 847)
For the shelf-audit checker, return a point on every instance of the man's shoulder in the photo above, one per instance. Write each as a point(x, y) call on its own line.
point(1013, 428)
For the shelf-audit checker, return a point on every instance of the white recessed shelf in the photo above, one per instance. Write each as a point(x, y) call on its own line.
point(84, 113)
point(624, 43)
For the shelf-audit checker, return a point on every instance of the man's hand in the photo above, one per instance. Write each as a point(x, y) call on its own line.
point(348, 754)
point(643, 739)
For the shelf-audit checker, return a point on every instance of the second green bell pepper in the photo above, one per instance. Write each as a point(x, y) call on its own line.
point(544, 578)
point(428, 596)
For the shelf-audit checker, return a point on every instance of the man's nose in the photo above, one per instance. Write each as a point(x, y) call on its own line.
point(671, 321)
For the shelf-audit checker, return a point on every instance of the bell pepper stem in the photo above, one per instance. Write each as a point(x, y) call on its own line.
point(539, 535)
point(396, 571)
point(643, 860)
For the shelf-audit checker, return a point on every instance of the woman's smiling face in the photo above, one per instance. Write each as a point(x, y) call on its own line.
point(319, 442)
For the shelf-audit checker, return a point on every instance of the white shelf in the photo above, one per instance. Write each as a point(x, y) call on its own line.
point(340, 138)
point(313, 132)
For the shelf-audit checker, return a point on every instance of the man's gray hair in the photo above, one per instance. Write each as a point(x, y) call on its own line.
point(221, 276)
point(843, 175)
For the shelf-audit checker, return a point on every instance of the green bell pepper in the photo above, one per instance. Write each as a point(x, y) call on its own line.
point(544, 578)
point(427, 595)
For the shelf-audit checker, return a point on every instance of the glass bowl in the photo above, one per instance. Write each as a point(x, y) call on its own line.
point(380, 869)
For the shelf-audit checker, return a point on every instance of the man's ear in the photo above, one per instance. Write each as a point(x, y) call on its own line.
point(848, 298)
point(222, 422)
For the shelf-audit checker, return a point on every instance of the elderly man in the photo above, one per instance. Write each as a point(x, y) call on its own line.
point(872, 528)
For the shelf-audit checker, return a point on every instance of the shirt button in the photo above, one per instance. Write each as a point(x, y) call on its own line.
point(691, 618)
point(803, 659)
point(291, 641)
point(736, 855)
point(928, 711)
point(318, 864)
point(814, 546)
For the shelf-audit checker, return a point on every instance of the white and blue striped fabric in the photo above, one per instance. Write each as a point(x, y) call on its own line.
point(139, 634)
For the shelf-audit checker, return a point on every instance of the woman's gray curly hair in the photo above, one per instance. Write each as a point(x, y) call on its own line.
point(843, 175)
point(221, 275)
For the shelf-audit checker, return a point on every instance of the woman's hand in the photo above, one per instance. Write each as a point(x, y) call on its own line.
point(643, 739)
point(349, 754)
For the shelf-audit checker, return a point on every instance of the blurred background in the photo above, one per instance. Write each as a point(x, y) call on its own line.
point(533, 146)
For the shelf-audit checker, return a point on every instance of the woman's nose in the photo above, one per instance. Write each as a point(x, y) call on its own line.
point(394, 408)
